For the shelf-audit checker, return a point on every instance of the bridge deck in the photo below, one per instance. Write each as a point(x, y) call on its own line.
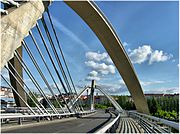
point(128, 125)
point(81, 125)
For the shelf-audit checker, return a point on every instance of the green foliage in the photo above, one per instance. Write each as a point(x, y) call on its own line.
point(164, 107)
point(125, 102)
point(34, 97)
point(153, 106)
point(100, 106)
point(167, 115)
point(55, 103)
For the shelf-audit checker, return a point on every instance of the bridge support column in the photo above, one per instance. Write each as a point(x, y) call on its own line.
point(92, 95)
point(14, 83)
point(14, 28)
point(16, 25)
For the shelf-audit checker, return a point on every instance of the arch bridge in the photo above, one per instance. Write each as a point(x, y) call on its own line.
point(17, 22)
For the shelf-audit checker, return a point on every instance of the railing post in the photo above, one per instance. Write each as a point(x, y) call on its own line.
point(92, 95)
point(38, 119)
point(19, 121)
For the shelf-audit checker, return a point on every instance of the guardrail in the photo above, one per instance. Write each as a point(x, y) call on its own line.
point(112, 126)
point(154, 121)
point(38, 117)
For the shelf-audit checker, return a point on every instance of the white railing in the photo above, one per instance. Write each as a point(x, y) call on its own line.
point(20, 117)
point(112, 125)
point(163, 121)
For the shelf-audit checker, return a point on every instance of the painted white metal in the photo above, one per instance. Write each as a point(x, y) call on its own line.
point(108, 126)
point(165, 122)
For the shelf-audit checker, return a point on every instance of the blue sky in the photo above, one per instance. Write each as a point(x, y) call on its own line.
point(148, 30)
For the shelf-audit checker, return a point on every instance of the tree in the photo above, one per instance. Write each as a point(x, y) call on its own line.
point(34, 97)
point(154, 106)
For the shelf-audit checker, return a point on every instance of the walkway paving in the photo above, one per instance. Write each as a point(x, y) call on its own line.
point(128, 125)
point(81, 125)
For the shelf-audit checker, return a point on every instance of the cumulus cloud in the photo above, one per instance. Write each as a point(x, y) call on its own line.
point(89, 78)
point(140, 54)
point(100, 64)
point(93, 75)
point(101, 67)
point(104, 57)
point(159, 56)
point(96, 56)
point(115, 88)
point(146, 53)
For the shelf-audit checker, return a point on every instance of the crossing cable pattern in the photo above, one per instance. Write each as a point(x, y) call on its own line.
point(45, 63)
point(61, 52)
point(57, 58)
point(35, 82)
point(34, 101)
point(51, 59)
point(75, 107)
point(39, 70)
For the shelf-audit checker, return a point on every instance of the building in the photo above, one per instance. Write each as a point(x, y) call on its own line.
point(161, 95)
point(6, 92)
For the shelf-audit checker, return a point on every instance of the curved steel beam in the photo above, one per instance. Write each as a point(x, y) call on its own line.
point(98, 23)
point(111, 99)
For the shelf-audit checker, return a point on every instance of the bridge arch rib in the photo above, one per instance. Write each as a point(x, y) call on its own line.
point(98, 23)
point(111, 99)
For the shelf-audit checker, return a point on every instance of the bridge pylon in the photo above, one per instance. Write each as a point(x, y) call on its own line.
point(14, 28)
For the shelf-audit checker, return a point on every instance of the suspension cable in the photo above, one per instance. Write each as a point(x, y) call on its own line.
point(17, 55)
point(45, 63)
point(51, 59)
point(55, 53)
point(61, 51)
point(18, 95)
point(9, 64)
point(24, 44)
point(23, 88)
point(56, 56)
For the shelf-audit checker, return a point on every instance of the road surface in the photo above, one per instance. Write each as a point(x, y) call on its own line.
point(88, 124)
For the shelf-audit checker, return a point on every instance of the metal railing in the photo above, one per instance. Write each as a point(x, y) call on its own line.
point(113, 125)
point(20, 118)
point(154, 124)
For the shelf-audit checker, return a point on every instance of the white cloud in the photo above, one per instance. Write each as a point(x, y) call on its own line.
point(93, 73)
point(140, 54)
point(163, 90)
point(96, 56)
point(99, 57)
point(89, 78)
point(125, 44)
point(146, 53)
point(159, 56)
point(115, 88)
point(147, 83)
point(109, 61)
point(101, 67)
point(100, 63)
